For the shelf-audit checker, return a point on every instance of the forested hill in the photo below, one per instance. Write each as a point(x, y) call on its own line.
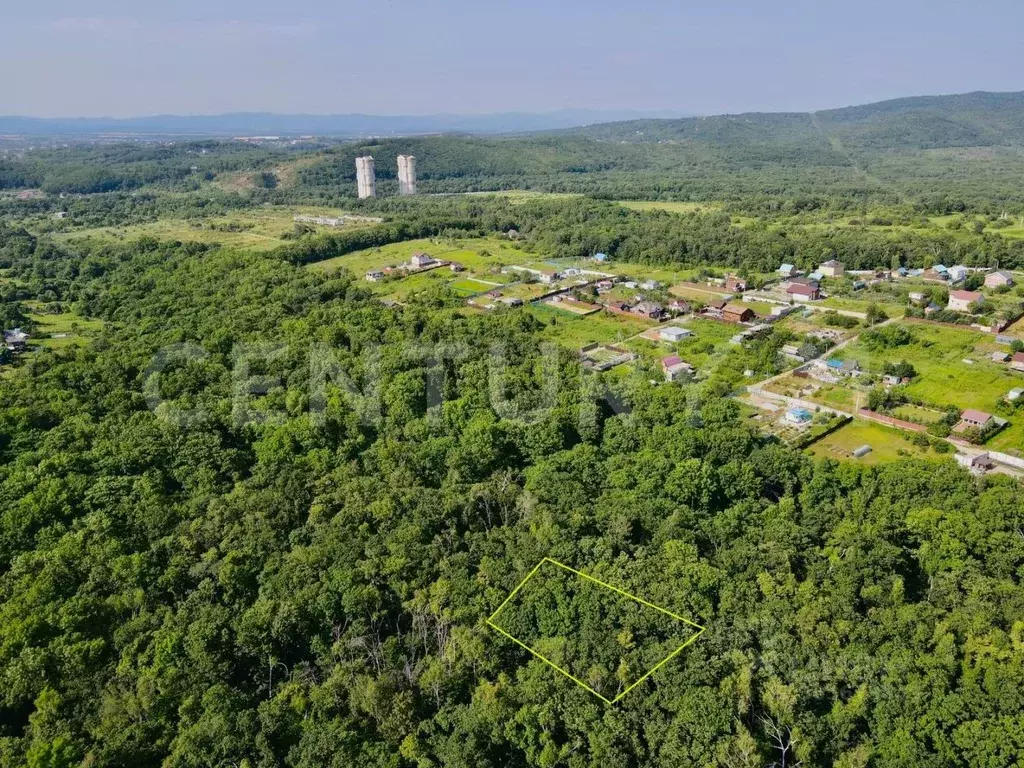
point(926, 122)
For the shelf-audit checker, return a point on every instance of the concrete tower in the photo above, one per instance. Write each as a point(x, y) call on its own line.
point(366, 180)
point(406, 175)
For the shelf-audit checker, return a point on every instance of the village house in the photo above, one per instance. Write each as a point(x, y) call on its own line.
point(1000, 357)
point(650, 285)
point(547, 276)
point(420, 260)
point(601, 257)
point(374, 275)
point(936, 273)
point(916, 296)
point(513, 234)
point(650, 309)
point(832, 268)
point(675, 369)
point(843, 367)
point(456, 267)
point(958, 273)
point(735, 284)
point(679, 307)
point(974, 418)
point(1017, 361)
point(803, 292)
point(787, 270)
point(715, 308)
point(16, 340)
point(998, 279)
point(799, 416)
point(1014, 395)
point(737, 313)
point(963, 301)
point(674, 333)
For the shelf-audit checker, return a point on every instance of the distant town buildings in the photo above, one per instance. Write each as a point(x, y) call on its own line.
point(366, 179)
point(406, 175)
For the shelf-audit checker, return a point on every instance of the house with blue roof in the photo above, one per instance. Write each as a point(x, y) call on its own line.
point(799, 416)
point(601, 257)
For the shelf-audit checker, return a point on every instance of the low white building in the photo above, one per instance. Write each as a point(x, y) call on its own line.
point(674, 333)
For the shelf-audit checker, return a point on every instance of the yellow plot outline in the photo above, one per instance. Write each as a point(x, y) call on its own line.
point(514, 592)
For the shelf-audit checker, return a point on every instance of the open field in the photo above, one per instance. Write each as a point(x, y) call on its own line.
point(482, 257)
point(710, 340)
point(693, 292)
point(71, 328)
point(943, 378)
point(890, 307)
point(254, 229)
point(886, 444)
point(575, 331)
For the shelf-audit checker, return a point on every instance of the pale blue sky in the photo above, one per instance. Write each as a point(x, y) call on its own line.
point(139, 57)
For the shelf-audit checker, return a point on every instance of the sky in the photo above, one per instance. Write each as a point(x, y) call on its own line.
point(122, 58)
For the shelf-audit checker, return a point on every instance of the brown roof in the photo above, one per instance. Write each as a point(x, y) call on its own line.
point(966, 295)
point(803, 290)
point(972, 415)
point(737, 309)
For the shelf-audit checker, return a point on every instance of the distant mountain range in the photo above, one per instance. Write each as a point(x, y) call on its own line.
point(979, 119)
point(342, 126)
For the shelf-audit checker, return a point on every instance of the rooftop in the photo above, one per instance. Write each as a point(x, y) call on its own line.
point(966, 295)
point(974, 415)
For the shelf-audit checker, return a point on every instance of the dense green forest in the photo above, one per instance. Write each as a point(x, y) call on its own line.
point(309, 587)
point(262, 518)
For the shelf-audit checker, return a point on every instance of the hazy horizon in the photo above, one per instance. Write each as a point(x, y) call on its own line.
point(113, 59)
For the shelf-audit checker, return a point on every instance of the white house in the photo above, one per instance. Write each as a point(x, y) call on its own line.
point(963, 301)
point(674, 333)
point(957, 273)
point(799, 416)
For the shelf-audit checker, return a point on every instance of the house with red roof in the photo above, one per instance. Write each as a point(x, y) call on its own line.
point(963, 301)
point(803, 291)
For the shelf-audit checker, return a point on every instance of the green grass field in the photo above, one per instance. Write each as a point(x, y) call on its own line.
point(256, 229)
point(575, 331)
point(886, 444)
point(891, 308)
point(943, 378)
point(478, 255)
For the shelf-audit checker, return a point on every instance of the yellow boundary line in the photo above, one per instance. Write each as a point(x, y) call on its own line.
point(655, 668)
